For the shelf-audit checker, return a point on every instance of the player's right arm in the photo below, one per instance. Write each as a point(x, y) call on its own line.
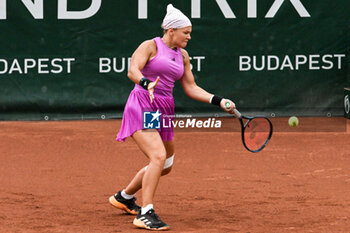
point(140, 57)
point(145, 52)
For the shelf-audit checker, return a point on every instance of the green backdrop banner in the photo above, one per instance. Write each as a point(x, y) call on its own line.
point(68, 59)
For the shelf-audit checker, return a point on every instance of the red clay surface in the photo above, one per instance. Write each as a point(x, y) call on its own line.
point(58, 176)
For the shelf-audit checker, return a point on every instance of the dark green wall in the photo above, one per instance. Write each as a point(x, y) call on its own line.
point(115, 31)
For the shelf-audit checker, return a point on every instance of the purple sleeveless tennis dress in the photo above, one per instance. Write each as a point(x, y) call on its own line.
point(168, 65)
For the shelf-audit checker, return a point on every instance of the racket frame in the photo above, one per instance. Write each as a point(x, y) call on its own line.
point(243, 127)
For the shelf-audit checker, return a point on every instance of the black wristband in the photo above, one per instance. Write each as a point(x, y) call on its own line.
point(216, 100)
point(144, 83)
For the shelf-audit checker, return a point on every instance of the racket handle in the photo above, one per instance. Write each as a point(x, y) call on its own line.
point(237, 113)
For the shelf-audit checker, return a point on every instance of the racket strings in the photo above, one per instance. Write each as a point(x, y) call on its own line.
point(257, 133)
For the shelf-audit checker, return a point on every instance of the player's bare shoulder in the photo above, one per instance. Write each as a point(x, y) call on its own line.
point(185, 56)
point(148, 45)
point(148, 48)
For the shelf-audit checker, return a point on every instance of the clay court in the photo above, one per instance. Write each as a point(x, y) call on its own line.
point(57, 176)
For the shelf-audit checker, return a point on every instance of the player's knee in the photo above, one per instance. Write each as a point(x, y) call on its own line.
point(158, 157)
point(167, 165)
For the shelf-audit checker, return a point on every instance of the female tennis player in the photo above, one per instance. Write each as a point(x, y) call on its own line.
point(155, 66)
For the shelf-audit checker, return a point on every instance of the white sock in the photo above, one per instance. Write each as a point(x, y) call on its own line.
point(146, 209)
point(126, 196)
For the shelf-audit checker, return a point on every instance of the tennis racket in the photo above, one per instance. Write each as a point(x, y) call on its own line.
point(256, 131)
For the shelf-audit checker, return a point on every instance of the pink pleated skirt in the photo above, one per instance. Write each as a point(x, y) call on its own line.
point(138, 103)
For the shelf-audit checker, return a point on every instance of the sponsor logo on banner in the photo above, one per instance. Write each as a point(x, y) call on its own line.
point(347, 104)
point(37, 65)
point(36, 8)
point(251, 6)
point(291, 62)
point(122, 64)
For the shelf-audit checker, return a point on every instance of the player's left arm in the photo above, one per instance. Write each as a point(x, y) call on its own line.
point(195, 92)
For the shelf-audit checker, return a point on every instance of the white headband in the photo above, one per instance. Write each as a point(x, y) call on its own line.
point(174, 18)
